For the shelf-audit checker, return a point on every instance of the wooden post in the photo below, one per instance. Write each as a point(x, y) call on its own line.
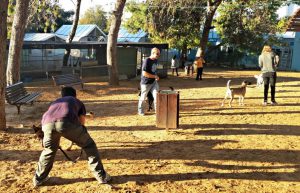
point(167, 112)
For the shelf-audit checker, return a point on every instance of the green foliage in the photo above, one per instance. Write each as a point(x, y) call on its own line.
point(247, 25)
point(11, 7)
point(175, 22)
point(95, 15)
point(63, 18)
point(10, 14)
point(44, 15)
point(138, 19)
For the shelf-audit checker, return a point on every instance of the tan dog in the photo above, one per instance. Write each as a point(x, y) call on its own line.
point(239, 91)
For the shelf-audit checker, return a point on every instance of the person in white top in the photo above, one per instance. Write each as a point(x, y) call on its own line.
point(174, 65)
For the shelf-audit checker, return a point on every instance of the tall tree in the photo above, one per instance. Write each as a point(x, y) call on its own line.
point(65, 18)
point(175, 22)
point(72, 33)
point(3, 38)
point(212, 7)
point(43, 16)
point(247, 25)
point(16, 41)
point(112, 42)
point(95, 15)
point(161, 19)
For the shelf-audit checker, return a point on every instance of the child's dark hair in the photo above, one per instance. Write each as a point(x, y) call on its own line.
point(174, 57)
point(68, 91)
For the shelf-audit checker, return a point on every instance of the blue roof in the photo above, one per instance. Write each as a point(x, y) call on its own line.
point(38, 36)
point(125, 36)
point(81, 31)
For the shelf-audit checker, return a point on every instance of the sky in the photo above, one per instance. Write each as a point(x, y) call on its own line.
point(107, 5)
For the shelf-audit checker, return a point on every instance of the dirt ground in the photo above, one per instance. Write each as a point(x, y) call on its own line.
point(250, 148)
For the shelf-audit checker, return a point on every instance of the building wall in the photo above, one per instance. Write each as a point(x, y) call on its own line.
point(127, 61)
point(296, 55)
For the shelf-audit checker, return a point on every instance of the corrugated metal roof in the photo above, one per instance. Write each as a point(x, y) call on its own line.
point(125, 36)
point(294, 22)
point(38, 36)
point(81, 31)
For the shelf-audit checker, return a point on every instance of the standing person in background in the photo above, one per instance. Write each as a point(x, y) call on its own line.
point(174, 65)
point(199, 67)
point(268, 63)
point(149, 79)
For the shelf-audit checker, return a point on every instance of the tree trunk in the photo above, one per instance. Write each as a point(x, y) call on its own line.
point(112, 42)
point(16, 41)
point(3, 54)
point(211, 10)
point(184, 49)
point(72, 33)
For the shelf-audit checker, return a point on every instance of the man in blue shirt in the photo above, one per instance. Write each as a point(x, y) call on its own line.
point(149, 79)
point(66, 117)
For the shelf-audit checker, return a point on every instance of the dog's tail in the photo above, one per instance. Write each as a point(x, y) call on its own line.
point(228, 84)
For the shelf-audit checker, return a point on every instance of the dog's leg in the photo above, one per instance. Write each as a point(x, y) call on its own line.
point(231, 99)
point(224, 100)
point(242, 100)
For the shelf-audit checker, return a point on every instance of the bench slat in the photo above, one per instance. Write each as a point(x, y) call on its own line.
point(67, 80)
point(29, 98)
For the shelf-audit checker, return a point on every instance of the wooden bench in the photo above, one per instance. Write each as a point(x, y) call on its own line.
point(17, 95)
point(67, 80)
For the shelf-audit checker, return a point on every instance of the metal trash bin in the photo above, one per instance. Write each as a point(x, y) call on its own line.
point(167, 111)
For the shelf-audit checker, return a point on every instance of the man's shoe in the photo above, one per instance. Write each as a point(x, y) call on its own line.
point(264, 103)
point(105, 180)
point(141, 114)
point(37, 183)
